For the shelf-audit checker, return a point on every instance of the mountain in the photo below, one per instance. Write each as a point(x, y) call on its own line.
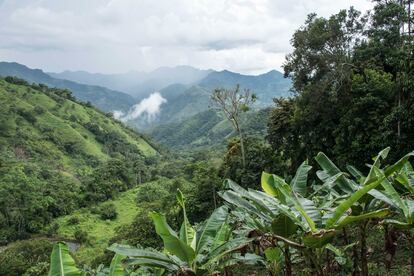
point(101, 97)
point(138, 84)
point(184, 101)
point(57, 154)
point(266, 86)
point(208, 128)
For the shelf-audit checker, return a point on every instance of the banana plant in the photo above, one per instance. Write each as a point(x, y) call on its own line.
point(62, 264)
point(190, 251)
point(283, 209)
point(283, 212)
point(397, 191)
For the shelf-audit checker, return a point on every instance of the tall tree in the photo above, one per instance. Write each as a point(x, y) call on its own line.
point(233, 102)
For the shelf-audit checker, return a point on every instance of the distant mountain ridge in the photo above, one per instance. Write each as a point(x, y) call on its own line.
point(138, 84)
point(101, 97)
point(184, 101)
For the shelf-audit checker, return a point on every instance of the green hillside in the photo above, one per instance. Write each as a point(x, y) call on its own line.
point(101, 97)
point(208, 128)
point(57, 149)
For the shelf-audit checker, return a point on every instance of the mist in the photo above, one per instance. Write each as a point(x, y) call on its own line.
point(149, 107)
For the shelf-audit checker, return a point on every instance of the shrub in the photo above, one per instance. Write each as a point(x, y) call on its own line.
point(39, 110)
point(81, 236)
point(21, 256)
point(73, 221)
point(16, 80)
point(52, 230)
point(108, 211)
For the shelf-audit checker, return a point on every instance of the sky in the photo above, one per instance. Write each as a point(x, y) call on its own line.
point(115, 36)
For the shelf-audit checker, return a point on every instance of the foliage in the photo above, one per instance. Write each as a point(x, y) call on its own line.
point(108, 211)
point(287, 213)
point(61, 263)
point(49, 163)
point(353, 94)
point(259, 158)
point(189, 252)
point(24, 256)
point(81, 236)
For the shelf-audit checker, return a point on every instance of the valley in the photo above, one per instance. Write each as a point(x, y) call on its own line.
point(186, 171)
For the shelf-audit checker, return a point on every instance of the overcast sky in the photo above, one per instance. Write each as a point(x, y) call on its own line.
point(248, 36)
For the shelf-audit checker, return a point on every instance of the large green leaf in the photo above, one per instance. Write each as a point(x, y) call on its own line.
point(374, 214)
point(211, 228)
point(145, 262)
point(343, 207)
point(299, 182)
point(274, 254)
point(399, 164)
point(130, 251)
point(276, 207)
point(268, 184)
point(285, 189)
point(283, 226)
point(145, 257)
point(187, 232)
point(237, 200)
point(171, 241)
point(226, 248)
point(330, 170)
point(61, 263)
point(393, 195)
point(116, 268)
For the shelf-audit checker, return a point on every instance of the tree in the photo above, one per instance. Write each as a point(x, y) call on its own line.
point(233, 102)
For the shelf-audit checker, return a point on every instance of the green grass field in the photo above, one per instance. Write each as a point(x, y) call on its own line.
point(99, 231)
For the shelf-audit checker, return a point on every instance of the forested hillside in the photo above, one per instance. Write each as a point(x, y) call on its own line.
point(208, 129)
point(54, 151)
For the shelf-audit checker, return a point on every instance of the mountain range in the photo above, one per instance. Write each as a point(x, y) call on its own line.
point(101, 97)
point(138, 84)
point(184, 92)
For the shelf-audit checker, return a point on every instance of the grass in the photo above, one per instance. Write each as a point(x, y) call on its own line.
point(99, 231)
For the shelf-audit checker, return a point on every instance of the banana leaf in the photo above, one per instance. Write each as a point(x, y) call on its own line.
point(61, 263)
point(172, 243)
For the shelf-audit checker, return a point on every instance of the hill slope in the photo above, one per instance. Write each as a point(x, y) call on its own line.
point(184, 101)
point(57, 153)
point(207, 128)
point(101, 97)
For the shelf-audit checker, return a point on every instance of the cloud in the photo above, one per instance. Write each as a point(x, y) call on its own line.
point(122, 35)
point(149, 107)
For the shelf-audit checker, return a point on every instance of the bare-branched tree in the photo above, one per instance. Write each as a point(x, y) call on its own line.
point(233, 102)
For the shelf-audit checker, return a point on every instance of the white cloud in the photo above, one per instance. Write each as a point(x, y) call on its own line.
point(121, 35)
point(149, 107)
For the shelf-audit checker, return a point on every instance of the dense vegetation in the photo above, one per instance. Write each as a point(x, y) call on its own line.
point(54, 151)
point(353, 77)
point(328, 191)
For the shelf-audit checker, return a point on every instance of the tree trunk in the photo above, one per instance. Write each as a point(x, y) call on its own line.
point(399, 120)
point(363, 241)
point(411, 242)
point(241, 145)
point(288, 264)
